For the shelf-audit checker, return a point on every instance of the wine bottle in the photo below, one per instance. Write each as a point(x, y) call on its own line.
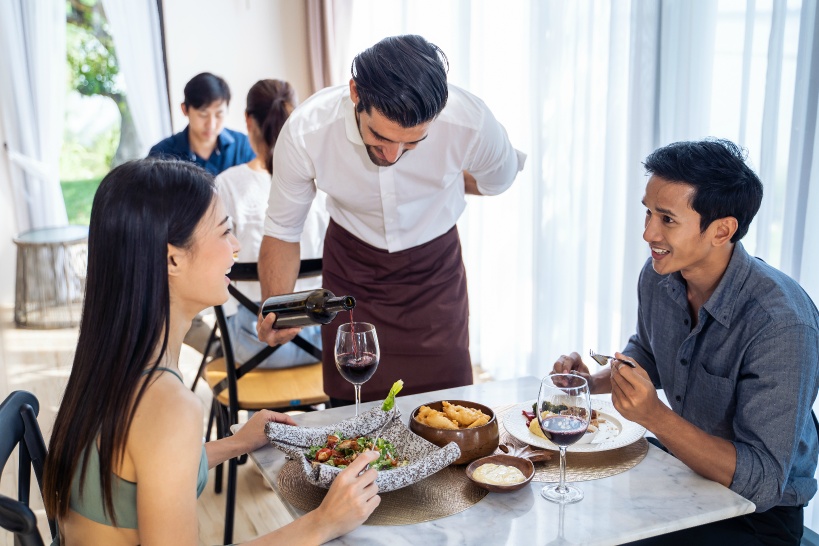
point(306, 308)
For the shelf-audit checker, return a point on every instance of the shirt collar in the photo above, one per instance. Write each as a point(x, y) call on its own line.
point(350, 123)
point(224, 140)
point(722, 302)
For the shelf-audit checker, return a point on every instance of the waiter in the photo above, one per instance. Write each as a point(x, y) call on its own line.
point(395, 151)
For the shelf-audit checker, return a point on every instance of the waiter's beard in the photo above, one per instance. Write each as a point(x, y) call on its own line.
point(380, 162)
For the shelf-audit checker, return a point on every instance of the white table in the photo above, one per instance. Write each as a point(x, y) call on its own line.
point(658, 496)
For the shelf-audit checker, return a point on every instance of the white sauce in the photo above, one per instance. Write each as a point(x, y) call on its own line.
point(498, 474)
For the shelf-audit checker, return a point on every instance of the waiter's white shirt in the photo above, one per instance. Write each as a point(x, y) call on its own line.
point(407, 204)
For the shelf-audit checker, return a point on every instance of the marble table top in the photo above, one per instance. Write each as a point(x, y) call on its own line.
point(658, 496)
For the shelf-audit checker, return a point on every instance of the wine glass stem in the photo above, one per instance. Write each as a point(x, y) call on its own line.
point(562, 487)
point(357, 397)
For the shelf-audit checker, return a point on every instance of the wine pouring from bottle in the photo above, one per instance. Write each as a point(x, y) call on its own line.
point(306, 308)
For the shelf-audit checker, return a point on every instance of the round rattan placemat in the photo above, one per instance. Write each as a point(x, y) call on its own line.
point(444, 493)
point(587, 466)
point(581, 466)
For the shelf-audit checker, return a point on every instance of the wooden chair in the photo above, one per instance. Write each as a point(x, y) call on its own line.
point(242, 386)
point(18, 427)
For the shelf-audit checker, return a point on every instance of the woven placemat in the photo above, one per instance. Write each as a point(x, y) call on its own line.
point(444, 493)
point(580, 466)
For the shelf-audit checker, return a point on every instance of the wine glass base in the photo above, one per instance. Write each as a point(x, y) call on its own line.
point(570, 495)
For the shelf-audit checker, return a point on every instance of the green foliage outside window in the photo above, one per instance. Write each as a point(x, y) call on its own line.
point(92, 70)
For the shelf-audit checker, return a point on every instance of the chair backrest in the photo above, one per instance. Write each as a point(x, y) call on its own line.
point(18, 427)
point(248, 271)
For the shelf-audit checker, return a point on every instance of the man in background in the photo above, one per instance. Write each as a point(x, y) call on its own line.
point(205, 141)
point(395, 151)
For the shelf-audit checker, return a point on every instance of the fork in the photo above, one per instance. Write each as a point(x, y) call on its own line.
point(604, 360)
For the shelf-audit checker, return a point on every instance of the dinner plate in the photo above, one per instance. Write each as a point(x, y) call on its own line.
point(617, 432)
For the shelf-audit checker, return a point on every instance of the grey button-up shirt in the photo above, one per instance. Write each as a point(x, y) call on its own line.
point(748, 372)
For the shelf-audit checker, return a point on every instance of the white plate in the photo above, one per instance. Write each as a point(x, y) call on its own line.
point(620, 433)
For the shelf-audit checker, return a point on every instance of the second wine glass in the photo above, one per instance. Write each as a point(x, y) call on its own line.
point(564, 413)
point(357, 354)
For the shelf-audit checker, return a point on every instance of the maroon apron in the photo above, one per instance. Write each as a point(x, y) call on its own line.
point(417, 300)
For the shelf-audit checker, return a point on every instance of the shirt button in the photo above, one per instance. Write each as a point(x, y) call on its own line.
point(677, 398)
point(684, 362)
point(685, 322)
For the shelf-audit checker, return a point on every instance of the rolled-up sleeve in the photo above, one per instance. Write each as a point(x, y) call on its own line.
point(775, 392)
point(492, 160)
point(293, 187)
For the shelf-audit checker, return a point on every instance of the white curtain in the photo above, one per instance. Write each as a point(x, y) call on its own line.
point(32, 91)
point(552, 263)
point(588, 89)
point(138, 42)
point(801, 225)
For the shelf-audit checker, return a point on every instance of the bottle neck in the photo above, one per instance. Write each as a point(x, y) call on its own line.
point(343, 303)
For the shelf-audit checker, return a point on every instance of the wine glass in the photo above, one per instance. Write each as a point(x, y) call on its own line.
point(357, 354)
point(565, 411)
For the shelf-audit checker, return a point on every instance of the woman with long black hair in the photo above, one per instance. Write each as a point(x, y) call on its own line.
point(126, 458)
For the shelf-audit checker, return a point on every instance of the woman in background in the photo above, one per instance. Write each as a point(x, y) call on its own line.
point(245, 190)
point(126, 459)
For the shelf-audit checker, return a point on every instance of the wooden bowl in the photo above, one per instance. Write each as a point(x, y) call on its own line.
point(474, 442)
point(524, 465)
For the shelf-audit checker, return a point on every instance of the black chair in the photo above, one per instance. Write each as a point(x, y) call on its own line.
point(18, 427)
point(241, 386)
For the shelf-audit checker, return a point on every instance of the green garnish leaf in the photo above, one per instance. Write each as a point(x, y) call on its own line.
point(389, 401)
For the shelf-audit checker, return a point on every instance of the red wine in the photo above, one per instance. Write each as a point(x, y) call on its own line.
point(357, 370)
point(352, 332)
point(563, 430)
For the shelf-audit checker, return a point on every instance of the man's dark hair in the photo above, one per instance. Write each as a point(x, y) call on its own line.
point(205, 89)
point(724, 185)
point(404, 78)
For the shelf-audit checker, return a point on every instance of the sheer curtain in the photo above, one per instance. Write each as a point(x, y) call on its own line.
point(574, 85)
point(138, 41)
point(588, 89)
point(32, 89)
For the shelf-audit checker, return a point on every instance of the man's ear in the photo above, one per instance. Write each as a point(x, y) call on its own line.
point(176, 260)
point(184, 109)
point(353, 92)
point(724, 229)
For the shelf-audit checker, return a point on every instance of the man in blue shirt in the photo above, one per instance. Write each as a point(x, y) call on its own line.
point(205, 141)
point(732, 341)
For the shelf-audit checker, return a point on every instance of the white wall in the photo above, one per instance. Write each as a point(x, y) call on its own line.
point(243, 41)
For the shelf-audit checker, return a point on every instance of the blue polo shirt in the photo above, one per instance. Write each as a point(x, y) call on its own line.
point(232, 148)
